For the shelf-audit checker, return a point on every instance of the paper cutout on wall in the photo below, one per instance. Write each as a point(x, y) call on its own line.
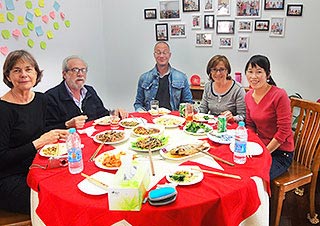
point(56, 6)
point(28, 4)
point(49, 34)
point(20, 20)
point(56, 25)
point(37, 12)
point(62, 15)
point(25, 32)
point(30, 26)
point(30, 43)
point(45, 19)
point(39, 31)
point(2, 18)
point(16, 33)
point(0, 5)
point(52, 14)
point(4, 50)
point(9, 4)
point(43, 45)
point(41, 3)
point(29, 16)
point(10, 16)
point(67, 23)
point(5, 34)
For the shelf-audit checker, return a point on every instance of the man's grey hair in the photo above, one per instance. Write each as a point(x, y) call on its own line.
point(66, 60)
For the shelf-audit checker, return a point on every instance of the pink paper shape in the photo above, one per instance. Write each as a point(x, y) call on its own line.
point(52, 15)
point(45, 19)
point(62, 15)
point(16, 33)
point(4, 50)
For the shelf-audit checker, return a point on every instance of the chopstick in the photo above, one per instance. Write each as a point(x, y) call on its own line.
point(216, 157)
point(95, 181)
point(151, 163)
point(97, 151)
point(219, 174)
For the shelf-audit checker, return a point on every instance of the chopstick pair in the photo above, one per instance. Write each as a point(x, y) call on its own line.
point(215, 157)
point(95, 181)
point(151, 163)
point(97, 151)
point(218, 173)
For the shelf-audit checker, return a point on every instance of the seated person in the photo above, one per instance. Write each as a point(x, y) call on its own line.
point(163, 83)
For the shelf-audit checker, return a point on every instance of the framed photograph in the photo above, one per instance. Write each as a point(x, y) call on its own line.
point(245, 25)
point(223, 7)
point(208, 5)
point(161, 32)
point(150, 14)
point(294, 10)
point(261, 25)
point(225, 42)
point(248, 8)
point(277, 26)
point(177, 30)
point(169, 10)
point(243, 44)
point(204, 39)
point(225, 26)
point(196, 21)
point(191, 5)
point(209, 21)
point(273, 4)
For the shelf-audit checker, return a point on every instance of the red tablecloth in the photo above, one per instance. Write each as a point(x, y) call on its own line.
point(215, 201)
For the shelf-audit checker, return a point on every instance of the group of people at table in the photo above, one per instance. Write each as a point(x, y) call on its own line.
point(30, 120)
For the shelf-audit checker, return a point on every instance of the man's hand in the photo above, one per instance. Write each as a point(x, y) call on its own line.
point(76, 122)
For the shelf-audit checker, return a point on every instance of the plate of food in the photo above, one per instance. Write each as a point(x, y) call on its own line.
point(161, 111)
point(184, 150)
point(103, 121)
point(253, 148)
point(51, 150)
point(111, 160)
point(169, 121)
point(221, 138)
point(185, 175)
point(111, 137)
point(197, 128)
point(202, 117)
point(91, 189)
point(154, 143)
point(147, 129)
point(130, 123)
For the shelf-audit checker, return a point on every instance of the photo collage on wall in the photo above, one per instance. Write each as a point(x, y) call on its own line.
point(210, 18)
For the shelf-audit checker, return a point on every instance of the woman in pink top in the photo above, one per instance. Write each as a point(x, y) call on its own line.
point(268, 113)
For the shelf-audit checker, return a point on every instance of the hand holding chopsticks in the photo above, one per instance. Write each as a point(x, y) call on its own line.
point(219, 174)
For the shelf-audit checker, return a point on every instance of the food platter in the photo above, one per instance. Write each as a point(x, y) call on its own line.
point(185, 175)
point(148, 129)
point(115, 136)
point(169, 121)
point(141, 144)
point(111, 160)
point(184, 150)
point(197, 128)
point(103, 121)
point(91, 189)
point(222, 138)
point(201, 117)
point(253, 148)
point(51, 150)
point(130, 123)
point(161, 111)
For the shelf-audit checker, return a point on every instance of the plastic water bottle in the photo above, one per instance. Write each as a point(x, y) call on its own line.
point(73, 143)
point(240, 144)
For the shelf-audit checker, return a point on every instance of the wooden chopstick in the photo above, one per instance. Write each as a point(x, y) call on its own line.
point(95, 181)
point(97, 151)
point(216, 157)
point(151, 163)
point(219, 174)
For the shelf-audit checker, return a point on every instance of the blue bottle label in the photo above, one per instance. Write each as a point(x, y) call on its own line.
point(240, 147)
point(74, 155)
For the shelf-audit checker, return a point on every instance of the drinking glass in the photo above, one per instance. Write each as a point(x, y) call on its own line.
point(114, 119)
point(154, 107)
point(189, 112)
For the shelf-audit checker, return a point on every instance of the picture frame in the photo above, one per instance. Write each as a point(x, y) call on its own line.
point(161, 32)
point(208, 6)
point(177, 30)
point(254, 9)
point(204, 39)
point(225, 42)
point(294, 9)
point(243, 43)
point(277, 26)
point(225, 26)
point(245, 25)
point(150, 13)
point(208, 21)
point(261, 25)
point(223, 7)
point(191, 5)
point(196, 21)
point(169, 10)
point(273, 4)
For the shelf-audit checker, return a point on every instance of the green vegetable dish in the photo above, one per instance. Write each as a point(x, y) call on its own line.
point(193, 127)
point(182, 176)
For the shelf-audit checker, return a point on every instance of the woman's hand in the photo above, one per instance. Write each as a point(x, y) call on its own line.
point(228, 115)
point(76, 122)
point(50, 137)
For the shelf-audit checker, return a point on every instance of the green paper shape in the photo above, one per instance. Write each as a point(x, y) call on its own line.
point(20, 20)
point(41, 3)
point(30, 26)
point(67, 23)
point(49, 34)
point(10, 16)
point(2, 18)
point(56, 25)
point(28, 4)
point(5, 34)
point(43, 45)
point(37, 12)
point(30, 43)
point(25, 32)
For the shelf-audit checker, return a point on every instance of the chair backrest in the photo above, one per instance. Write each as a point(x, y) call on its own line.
point(307, 132)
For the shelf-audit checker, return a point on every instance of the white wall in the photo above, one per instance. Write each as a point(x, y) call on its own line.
point(117, 42)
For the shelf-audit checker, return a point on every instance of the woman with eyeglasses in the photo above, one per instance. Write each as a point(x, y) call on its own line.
point(22, 122)
point(222, 95)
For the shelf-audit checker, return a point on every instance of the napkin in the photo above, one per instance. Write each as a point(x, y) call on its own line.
point(207, 161)
point(89, 131)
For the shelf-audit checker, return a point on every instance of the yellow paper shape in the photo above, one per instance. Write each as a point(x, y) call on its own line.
point(25, 32)
point(37, 12)
point(67, 23)
point(5, 34)
point(28, 4)
point(41, 3)
point(30, 43)
point(20, 20)
point(43, 45)
point(30, 26)
point(10, 16)
point(56, 25)
point(2, 18)
point(49, 34)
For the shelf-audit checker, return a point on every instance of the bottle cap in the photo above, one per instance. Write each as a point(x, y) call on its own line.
point(241, 123)
point(72, 130)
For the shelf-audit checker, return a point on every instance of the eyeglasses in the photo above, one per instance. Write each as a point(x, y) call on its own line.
point(221, 70)
point(77, 70)
point(158, 53)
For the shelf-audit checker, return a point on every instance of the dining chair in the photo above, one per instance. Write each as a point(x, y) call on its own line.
point(306, 159)
point(14, 219)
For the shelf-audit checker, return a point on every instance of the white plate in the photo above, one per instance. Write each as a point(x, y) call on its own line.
point(138, 121)
point(91, 189)
point(126, 137)
point(162, 111)
point(60, 149)
point(169, 121)
point(153, 149)
point(103, 121)
point(200, 117)
point(221, 138)
point(149, 126)
point(165, 152)
point(197, 134)
point(253, 148)
point(197, 176)
point(99, 159)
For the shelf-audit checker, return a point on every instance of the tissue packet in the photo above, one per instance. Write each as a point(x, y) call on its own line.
point(162, 196)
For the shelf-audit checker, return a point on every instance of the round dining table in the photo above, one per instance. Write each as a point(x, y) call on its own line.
point(216, 200)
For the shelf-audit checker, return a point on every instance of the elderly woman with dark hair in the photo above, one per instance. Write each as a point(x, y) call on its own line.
point(222, 95)
point(22, 123)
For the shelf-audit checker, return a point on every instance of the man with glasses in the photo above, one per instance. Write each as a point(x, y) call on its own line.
point(72, 102)
point(163, 83)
